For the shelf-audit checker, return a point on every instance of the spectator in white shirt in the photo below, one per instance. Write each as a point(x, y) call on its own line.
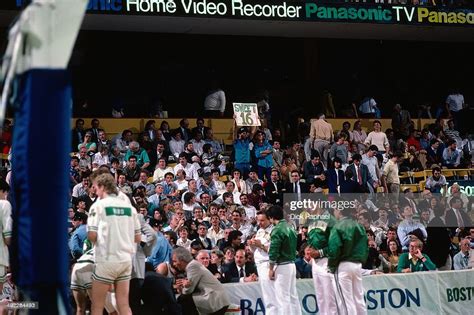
point(214, 104)
point(218, 184)
point(370, 160)
point(215, 232)
point(198, 143)
point(368, 107)
point(250, 211)
point(181, 181)
point(123, 142)
point(454, 106)
point(190, 170)
point(378, 138)
point(176, 144)
point(183, 240)
point(161, 170)
point(102, 157)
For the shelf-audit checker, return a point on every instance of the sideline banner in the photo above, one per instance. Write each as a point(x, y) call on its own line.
point(440, 292)
point(466, 186)
point(456, 294)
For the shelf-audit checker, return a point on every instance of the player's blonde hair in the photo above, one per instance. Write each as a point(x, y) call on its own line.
point(108, 182)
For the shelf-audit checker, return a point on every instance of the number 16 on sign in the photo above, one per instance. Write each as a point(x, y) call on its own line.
point(246, 114)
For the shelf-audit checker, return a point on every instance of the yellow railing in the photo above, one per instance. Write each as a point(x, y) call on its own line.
point(222, 127)
point(418, 179)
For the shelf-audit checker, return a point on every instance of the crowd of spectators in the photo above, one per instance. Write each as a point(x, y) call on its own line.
point(196, 195)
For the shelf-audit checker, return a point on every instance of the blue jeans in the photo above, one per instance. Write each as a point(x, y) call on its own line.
point(244, 168)
point(267, 171)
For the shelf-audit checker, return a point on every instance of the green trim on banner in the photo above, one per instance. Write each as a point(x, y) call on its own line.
point(436, 292)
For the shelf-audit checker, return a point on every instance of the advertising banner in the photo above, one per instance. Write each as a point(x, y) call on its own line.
point(294, 10)
point(466, 186)
point(456, 292)
point(447, 292)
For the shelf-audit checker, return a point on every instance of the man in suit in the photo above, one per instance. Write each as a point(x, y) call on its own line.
point(155, 284)
point(456, 217)
point(200, 128)
point(400, 121)
point(184, 129)
point(314, 170)
point(77, 134)
point(335, 176)
point(202, 238)
point(360, 173)
point(295, 186)
point(434, 153)
point(155, 155)
point(103, 141)
point(201, 291)
point(94, 130)
point(274, 189)
point(409, 198)
point(240, 270)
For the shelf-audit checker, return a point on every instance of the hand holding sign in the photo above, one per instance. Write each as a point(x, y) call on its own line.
point(246, 114)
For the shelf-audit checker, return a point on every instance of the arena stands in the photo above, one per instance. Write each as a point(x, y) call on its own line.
point(200, 186)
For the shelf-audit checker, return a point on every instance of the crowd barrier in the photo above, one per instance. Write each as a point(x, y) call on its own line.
point(439, 292)
point(222, 127)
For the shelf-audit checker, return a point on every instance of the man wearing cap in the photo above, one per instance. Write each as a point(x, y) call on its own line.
point(241, 150)
point(318, 237)
point(347, 251)
point(76, 242)
point(282, 269)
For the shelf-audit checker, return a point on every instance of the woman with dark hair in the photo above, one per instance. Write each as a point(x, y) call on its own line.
point(159, 215)
point(217, 258)
point(150, 129)
point(257, 196)
point(373, 260)
point(390, 259)
point(411, 163)
point(192, 228)
point(303, 262)
point(165, 130)
point(239, 184)
point(208, 158)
